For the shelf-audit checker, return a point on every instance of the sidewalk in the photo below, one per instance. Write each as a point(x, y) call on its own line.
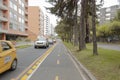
point(110, 46)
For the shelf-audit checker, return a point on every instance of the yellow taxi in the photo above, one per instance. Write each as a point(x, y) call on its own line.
point(8, 59)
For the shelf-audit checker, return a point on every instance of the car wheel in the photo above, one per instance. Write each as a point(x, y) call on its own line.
point(35, 47)
point(14, 65)
point(45, 47)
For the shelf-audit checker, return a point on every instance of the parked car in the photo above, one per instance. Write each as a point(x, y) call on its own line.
point(8, 59)
point(41, 42)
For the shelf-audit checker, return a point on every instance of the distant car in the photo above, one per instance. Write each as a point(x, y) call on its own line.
point(54, 41)
point(41, 42)
point(50, 41)
point(8, 59)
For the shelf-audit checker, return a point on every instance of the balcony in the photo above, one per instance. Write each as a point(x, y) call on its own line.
point(3, 18)
point(26, 12)
point(26, 27)
point(2, 30)
point(26, 19)
point(3, 6)
point(26, 4)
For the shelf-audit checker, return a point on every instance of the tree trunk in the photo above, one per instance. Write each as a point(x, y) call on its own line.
point(82, 27)
point(87, 39)
point(76, 26)
point(94, 28)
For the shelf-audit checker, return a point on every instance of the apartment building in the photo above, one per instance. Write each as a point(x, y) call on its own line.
point(13, 19)
point(36, 22)
point(47, 25)
point(41, 23)
point(52, 31)
point(107, 14)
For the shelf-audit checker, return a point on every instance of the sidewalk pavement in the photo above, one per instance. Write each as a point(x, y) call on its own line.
point(85, 73)
point(110, 46)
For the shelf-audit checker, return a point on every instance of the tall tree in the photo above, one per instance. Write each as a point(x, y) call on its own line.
point(95, 52)
point(83, 21)
point(75, 28)
point(66, 9)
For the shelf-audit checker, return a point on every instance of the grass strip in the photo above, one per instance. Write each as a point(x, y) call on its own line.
point(23, 46)
point(105, 66)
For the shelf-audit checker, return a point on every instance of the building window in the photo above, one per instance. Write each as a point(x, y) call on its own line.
point(20, 2)
point(11, 26)
point(11, 15)
point(19, 19)
point(108, 9)
point(108, 19)
point(15, 17)
point(23, 5)
point(108, 15)
point(11, 4)
point(15, 7)
point(20, 11)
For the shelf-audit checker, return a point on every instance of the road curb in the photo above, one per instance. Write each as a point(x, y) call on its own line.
point(88, 74)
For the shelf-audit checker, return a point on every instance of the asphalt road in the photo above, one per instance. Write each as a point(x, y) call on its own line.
point(57, 66)
point(25, 58)
point(53, 63)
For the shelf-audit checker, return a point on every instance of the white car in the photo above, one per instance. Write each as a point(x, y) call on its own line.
point(41, 42)
point(50, 41)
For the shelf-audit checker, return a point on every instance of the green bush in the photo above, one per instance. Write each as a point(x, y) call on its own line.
point(103, 31)
point(115, 28)
point(109, 30)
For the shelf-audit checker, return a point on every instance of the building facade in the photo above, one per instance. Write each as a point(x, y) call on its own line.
point(13, 19)
point(36, 22)
point(107, 14)
point(46, 25)
point(41, 23)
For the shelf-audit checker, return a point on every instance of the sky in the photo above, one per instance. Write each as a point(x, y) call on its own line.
point(53, 18)
point(42, 5)
point(108, 3)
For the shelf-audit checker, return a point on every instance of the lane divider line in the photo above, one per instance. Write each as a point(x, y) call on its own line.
point(56, 78)
point(58, 62)
point(27, 73)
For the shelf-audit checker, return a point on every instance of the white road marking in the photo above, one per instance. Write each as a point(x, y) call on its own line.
point(58, 62)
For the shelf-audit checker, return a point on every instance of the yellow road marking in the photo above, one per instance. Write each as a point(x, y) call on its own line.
point(37, 63)
point(58, 62)
point(24, 77)
point(34, 67)
point(56, 78)
point(39, 60)
point(30, 71)
point(27, 69)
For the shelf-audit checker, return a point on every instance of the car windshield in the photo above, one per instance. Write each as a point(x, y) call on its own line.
point(41, 39)
point(50, 40)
